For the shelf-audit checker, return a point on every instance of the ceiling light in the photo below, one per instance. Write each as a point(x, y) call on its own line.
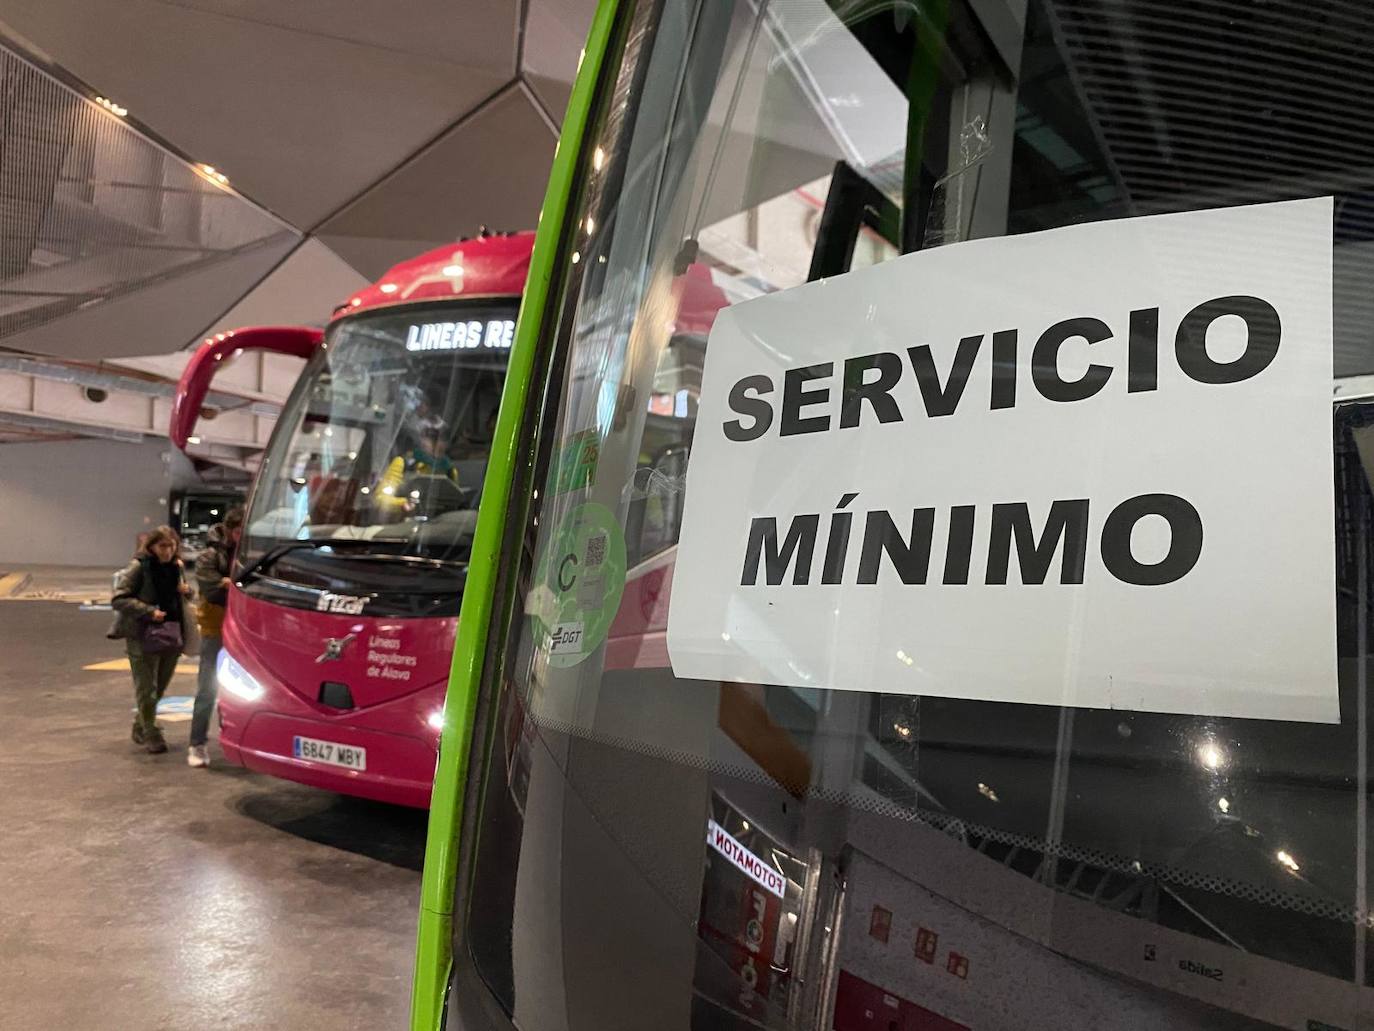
point(1286, 861)
point(193, 440)
point(110, 106)
point(214, 176)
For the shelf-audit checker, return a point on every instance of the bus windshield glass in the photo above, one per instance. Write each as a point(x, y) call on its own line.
point(825, 784)
point(380, 455)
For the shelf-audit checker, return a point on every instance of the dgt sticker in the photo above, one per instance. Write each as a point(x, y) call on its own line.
point(579, 583)
point(1086, 467)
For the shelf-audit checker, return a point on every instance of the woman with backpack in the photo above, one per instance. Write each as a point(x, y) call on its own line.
point(151, 617)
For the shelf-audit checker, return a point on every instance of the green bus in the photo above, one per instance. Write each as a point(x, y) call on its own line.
point(923, 577)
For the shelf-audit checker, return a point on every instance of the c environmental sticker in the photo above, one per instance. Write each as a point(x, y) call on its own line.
point(1085, 467)
point(579, 583)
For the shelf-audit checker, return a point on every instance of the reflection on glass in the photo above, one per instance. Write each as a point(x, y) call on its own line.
point(1036, 866)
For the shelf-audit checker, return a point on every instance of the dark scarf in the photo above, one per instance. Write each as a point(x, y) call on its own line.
point(166, 577)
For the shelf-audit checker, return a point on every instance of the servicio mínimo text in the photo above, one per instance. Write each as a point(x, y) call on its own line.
point(1066, 531)
point(904, 542)
point(869, 382)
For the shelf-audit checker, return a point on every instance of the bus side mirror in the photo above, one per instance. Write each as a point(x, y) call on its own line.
point(194, 385)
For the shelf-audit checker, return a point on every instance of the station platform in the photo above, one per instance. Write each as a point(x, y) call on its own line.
point(75, 584)
point(146, 894)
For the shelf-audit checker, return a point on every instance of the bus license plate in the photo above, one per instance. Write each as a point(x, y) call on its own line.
point(329, 752)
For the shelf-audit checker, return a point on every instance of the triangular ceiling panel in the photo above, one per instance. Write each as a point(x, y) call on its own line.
point(490, 169)
point(555, 31)
point(303, 290)
point(298, 115)
point(373, 255)
point(163, 316)
point(371, 131)
point(476, 33)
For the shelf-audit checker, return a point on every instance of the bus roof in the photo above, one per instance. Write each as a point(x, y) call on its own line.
point(488, 265)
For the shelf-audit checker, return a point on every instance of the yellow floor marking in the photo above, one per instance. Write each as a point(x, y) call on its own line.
point(111, 665)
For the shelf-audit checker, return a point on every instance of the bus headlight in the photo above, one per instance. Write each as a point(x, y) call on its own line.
point(235, 679)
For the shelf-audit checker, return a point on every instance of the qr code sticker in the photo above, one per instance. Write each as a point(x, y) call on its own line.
point(596, 551)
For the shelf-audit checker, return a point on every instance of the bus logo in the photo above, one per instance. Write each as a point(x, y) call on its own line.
point(344, 603)
point(334, 648)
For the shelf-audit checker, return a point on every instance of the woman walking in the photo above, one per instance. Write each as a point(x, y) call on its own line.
point(151, 619)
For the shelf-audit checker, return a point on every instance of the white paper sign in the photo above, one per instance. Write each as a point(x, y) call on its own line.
point(1086, 467)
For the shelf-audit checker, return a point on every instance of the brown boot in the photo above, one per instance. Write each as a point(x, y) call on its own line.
point(155, 744)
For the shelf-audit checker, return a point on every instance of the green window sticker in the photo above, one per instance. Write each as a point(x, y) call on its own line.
point(577, 462)
point(580, 580)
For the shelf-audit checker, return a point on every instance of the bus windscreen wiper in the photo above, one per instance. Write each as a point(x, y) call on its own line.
point(414, 560)
point(272, 554)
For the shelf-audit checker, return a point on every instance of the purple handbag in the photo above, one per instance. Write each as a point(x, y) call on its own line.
point(158, 638)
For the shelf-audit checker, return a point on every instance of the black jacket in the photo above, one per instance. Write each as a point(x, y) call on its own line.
point(134, 598)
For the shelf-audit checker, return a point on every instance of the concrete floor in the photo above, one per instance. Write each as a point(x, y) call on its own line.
point(138, 893)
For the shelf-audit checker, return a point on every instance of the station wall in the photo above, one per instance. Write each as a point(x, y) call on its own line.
point(81, 502)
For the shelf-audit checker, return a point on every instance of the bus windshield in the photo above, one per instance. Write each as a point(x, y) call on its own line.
point(792, 794)
point(377, 464)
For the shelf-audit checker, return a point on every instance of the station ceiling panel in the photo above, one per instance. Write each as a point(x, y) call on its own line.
point(554, 33)
point(170, 168)
point(301, 117)
point(303, 290)
point(161, 315)
point(489, 169)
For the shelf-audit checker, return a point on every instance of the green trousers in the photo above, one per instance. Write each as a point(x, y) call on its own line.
point(152, 674)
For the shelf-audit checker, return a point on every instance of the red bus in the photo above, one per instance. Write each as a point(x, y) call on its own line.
point(341, 619)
